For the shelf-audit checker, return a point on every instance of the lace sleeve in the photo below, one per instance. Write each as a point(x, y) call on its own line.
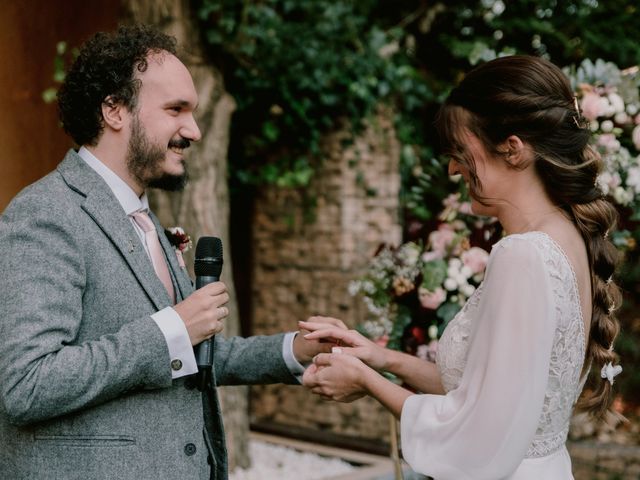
point(482, 429)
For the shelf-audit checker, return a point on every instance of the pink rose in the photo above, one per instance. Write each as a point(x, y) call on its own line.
point(441, 238)
point(428, 352)
point(609, 142)
point(465, 207)
point(592, 106)
point(476, 259)
point(431, 300)
point(430, 256)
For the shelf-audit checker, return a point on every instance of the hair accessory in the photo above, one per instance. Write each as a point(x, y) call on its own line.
point(606, 235)
point(609, 372)
point(612, 308)
point(609, 280)
point(578, 115)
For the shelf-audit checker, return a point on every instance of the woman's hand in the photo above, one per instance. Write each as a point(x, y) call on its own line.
point(335, 376)
point(351, 342)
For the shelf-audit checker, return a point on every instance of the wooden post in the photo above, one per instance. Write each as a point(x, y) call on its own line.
point(395, 449)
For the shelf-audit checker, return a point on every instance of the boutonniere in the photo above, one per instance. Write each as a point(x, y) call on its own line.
point(180, 241)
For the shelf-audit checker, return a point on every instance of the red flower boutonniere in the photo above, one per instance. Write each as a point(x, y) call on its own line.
point(180, 241)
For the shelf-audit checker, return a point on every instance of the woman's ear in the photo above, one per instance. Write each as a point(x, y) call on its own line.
point(516, 152)
point(113, 113)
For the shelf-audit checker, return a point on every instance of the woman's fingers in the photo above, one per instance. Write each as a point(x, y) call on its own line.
point(328, 321)
point(350, 337)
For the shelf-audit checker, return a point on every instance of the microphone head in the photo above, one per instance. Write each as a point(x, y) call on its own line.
point(208, 261)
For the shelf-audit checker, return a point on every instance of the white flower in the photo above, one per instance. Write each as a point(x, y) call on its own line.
point(635, 137)
point(450, 284)
point(622, 196)
point(368, 287)
point(354, 288)
point(606, 126)
point(455, 263)
point(594, 125)
point(410, 253)
point(633, 178)
point(610, 372)
point(621, 117)
point(466, 271)
point(433, 332)
point(617, 104)
point(468, 290)
point(498, 7)
point(632, 109)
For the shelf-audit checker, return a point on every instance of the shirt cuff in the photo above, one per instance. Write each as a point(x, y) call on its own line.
point(183, 360)
point(295, 367)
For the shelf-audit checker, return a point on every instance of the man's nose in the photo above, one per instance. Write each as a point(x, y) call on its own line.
point(191, 130)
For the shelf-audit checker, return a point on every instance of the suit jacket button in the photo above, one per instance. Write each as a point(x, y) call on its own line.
point(176, 364)
point(189, 449)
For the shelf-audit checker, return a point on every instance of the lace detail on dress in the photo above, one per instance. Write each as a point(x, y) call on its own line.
point(567, 354)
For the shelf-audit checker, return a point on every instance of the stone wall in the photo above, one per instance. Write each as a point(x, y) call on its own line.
point(302, 268)
point(604, 461)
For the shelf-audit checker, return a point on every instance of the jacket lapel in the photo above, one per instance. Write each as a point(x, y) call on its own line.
point(102, 206)
point(180, 275)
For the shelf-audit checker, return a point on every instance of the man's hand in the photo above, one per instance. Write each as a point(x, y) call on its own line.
point(350, 342)
point(305, 349)
point(203, 311)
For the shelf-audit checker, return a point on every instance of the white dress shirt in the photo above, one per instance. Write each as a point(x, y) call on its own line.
point(167, 319)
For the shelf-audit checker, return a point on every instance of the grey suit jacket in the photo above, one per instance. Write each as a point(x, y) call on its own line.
point(85, 381)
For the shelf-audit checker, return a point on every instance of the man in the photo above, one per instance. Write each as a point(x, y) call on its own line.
point(98, 319)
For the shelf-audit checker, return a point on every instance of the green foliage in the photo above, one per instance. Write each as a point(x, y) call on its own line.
point(299, 69)
point(63, 55)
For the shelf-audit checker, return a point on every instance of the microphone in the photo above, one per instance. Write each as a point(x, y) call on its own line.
point(207, 267)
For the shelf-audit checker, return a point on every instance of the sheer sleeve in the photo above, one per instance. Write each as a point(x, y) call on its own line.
point(483, 428)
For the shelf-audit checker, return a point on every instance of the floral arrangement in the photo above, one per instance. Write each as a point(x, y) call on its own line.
point(413, 291)
point(609, 100)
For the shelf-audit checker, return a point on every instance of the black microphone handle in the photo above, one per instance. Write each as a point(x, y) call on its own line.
point(204, 350)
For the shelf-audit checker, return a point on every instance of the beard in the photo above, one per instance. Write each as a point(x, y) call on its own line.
point(144, 161)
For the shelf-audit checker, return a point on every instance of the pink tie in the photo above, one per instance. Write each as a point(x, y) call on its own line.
point(158, 259)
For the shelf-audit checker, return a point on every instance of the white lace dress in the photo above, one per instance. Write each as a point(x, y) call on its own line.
point(510, 362)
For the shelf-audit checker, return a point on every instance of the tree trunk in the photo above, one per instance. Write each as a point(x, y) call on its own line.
point(203, 207)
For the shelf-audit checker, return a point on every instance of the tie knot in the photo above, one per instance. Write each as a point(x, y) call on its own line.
point(143, 220)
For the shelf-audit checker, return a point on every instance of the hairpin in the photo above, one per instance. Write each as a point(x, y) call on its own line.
point(578, 116)
point(609, 372)
point(612, 308)
point(575, 104)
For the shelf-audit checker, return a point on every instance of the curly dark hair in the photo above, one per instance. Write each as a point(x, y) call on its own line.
point(106, 67)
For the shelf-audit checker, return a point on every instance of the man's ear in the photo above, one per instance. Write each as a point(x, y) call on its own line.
point(516, 152)
point(114, 113)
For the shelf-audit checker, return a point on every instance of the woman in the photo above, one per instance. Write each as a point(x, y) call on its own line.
point(513, 362)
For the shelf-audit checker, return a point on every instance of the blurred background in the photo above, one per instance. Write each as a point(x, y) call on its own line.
point(320, 169)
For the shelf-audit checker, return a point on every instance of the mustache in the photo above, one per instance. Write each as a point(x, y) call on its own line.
point(179, 143)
